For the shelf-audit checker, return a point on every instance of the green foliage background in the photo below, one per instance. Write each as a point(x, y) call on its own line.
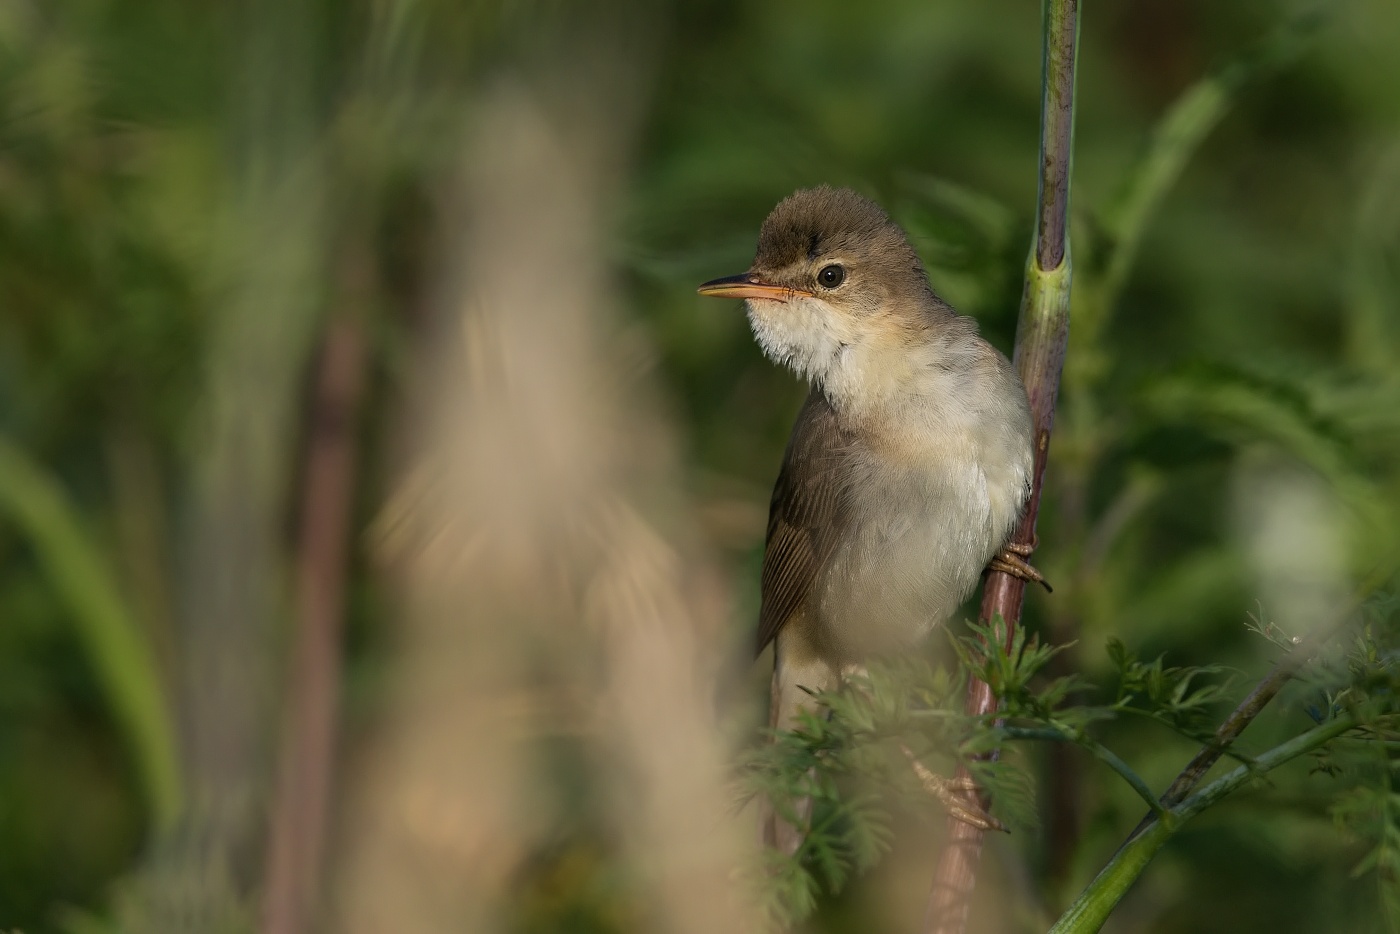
point(1234, 351)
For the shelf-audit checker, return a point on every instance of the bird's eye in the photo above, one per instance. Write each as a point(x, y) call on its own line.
point(831, 276)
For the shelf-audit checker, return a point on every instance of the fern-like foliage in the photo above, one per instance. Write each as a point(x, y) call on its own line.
point(850, 754)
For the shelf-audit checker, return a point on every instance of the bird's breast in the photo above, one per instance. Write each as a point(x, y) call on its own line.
point(928, 511)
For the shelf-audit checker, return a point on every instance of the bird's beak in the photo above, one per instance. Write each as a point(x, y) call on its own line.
point(748, 285)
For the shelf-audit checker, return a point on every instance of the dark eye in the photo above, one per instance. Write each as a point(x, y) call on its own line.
point(831, 276)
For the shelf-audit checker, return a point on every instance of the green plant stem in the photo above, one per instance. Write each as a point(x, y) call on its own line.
point(1184, 734)
point(1093, 906)
point(1099, 751)
point(1042, 333)
point(1148, 715)
point(116, 648)
point(1265, 691)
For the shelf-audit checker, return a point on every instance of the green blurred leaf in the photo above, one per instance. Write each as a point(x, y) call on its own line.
point(124, 664)
point(1245, 406)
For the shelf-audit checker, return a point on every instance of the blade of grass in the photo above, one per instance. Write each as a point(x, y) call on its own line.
point(1179, 134)
point(114, 644)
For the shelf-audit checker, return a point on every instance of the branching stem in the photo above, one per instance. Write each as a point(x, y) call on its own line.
point(1099, 751)
point(1098, 900)
point(1249, 708)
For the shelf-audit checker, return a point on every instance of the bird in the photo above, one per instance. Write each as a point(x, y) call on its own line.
point(910, 462)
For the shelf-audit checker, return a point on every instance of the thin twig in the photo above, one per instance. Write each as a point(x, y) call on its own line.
point(1099, 751)
point(1042, 333)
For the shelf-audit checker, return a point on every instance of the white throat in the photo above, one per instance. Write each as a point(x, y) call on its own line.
point(861, 369)
point(805, 334)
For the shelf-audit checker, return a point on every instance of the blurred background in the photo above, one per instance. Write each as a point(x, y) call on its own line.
point(381, 509)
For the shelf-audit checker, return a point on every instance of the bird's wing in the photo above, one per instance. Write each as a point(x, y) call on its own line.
point(809, 507)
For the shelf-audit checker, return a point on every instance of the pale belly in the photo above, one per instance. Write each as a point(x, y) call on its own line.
point(912, 558)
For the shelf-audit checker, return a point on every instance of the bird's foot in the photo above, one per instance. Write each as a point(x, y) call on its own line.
point(958, 795)
point(1012, 560)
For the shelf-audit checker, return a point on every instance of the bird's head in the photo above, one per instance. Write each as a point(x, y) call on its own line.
point(835, 289)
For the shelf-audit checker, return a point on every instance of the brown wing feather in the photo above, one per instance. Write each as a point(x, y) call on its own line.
point(808, 507)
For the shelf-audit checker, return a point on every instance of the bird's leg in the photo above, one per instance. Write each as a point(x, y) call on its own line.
point(955, 794)
point(1012, 560)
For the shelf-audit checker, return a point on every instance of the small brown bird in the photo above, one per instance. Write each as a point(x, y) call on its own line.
point(910, 462)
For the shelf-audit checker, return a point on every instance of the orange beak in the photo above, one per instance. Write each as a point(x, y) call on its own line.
point(748, 285)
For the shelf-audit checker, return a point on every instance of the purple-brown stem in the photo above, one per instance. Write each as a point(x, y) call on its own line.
point(302, 796)
point(1042, 333)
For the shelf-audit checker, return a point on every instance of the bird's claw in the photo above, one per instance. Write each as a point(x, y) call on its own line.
point(958, 795)
point(1012, 560)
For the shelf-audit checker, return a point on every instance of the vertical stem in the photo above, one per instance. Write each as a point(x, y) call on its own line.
point(1056, 138)
point(1042, 333)
point(301, 802)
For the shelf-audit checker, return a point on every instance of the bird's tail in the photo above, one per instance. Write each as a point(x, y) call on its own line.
point(796, 676)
